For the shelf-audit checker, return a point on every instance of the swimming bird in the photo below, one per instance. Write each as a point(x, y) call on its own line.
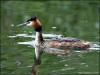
point(53, 46)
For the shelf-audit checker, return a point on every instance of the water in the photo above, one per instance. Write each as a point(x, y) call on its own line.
point(17, 50)
point(18, 54)
point(75, 19)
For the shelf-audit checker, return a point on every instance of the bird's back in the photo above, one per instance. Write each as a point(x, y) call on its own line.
point(67, 43)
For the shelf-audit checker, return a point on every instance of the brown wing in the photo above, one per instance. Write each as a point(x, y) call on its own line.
point(76, 45)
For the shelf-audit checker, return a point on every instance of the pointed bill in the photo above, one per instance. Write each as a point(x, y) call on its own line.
point(23, 24)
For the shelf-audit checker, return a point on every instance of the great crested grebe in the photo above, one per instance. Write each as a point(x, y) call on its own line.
point(66, 44)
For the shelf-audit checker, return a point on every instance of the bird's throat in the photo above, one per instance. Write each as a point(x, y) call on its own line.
point(38, 29)
point(39, 37)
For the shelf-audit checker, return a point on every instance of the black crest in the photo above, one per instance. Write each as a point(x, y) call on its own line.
point(32, 19)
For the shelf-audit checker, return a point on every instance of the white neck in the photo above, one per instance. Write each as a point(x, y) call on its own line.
point(38, 36)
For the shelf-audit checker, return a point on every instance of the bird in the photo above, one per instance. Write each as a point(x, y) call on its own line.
point(53, 46)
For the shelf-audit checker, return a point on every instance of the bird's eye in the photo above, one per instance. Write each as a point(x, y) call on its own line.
point(29, 23)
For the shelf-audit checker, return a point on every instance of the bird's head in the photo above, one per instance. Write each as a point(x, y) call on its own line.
point(33, 22)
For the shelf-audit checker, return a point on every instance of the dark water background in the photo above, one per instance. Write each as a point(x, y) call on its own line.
point(79, 19)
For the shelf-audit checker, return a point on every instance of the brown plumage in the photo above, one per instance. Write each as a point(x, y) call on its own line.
point(75, 45)
point(36, 24)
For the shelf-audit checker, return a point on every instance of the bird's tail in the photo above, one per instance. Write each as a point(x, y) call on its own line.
point(94, 46)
